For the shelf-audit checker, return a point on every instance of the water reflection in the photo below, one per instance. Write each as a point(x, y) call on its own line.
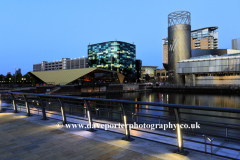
point(224, 101)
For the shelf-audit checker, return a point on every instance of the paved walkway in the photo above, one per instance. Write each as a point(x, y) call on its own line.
point(23, 137)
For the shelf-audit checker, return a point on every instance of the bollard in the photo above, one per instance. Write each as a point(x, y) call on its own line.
point(126, 126)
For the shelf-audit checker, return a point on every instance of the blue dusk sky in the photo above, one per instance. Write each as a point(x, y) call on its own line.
point(32, 31)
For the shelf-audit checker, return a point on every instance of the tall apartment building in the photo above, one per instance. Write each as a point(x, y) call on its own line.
point(65, 63)
point(203, 38)
point(165, 49)
point(236, 44)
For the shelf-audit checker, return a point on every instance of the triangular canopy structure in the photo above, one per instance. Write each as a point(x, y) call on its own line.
point(64, 77)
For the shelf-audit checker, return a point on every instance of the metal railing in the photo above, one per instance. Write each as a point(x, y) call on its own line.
point(129, 112)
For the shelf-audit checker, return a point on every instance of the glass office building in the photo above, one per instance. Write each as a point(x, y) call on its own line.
point(113, 55)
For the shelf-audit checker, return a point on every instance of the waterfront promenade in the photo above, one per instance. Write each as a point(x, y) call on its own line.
point(25, 137)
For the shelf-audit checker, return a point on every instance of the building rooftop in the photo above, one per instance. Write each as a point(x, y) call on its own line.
point(150, 66)
point(210, 28)
point(111, 41)
point(210, 57)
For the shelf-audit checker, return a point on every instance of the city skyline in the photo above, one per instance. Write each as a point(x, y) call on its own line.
point(33, 31)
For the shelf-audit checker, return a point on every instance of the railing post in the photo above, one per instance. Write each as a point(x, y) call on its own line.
point(14, 104)
point(192, 128)
point(89, 115)
point(27, 106)
point(133, 117)
point(49, 106)
point(211, 147)
point(109, 115)
point(63, 111)
point(120, 116)
point(126, 126)
point(97, 112)
point(205, 143)
point(43, 109)
point(159, 120)
point(226, 132)
point(85, 111)
point(137, 120)
point(179, 132)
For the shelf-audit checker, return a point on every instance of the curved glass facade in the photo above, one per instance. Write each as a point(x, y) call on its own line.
point(211, 65)
point(113, 55)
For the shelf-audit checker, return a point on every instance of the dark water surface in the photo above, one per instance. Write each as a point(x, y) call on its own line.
point(210, 100)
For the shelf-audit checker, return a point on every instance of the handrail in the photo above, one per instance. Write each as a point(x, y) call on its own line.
point(123, 113)
point(232, 110)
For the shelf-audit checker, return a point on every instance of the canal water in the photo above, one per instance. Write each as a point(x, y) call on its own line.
point(209, 100)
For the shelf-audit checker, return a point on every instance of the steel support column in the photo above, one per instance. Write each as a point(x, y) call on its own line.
point(27, 105)
point(126, 126)
point(14, 104)
point(89, 115)
point(63, 111)
point(179, 132)
point(43, 109)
